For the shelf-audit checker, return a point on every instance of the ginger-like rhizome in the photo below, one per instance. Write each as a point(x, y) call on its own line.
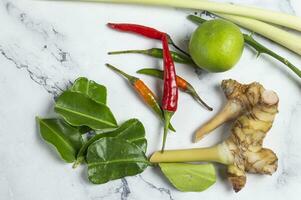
point(254, 109)
point(245, 142)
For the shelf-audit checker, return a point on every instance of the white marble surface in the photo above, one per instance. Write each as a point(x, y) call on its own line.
point(44, 45)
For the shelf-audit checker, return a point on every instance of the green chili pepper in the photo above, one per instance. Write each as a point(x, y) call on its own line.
point(158, 53)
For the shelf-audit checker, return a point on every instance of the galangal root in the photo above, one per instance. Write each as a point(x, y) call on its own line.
point(255, 109)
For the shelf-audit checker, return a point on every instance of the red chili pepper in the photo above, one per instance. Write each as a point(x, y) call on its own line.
point(145, 31)
point(139, 29)
point(170, 91)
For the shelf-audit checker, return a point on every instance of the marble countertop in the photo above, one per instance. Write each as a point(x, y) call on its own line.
point(45, 45)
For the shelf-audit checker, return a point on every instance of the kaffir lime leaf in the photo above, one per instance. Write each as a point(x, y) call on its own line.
point(189, 177)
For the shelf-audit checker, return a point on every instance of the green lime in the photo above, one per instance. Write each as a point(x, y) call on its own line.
point(216, 45)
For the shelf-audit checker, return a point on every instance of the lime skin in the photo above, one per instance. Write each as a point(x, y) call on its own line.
point(216, 45)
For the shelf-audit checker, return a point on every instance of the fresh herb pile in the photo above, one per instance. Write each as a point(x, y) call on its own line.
point(86, 131)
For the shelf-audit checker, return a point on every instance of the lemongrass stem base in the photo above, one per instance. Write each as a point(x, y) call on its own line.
point(218, 153)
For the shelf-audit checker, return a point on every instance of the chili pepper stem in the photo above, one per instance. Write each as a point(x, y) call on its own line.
point(195, 19)
point(129, 77)
point(170, 41)
point(195, 95)
point(77, 162)
point(127, 51)
point(198, 98)
point(167, 117)
point(170, 127)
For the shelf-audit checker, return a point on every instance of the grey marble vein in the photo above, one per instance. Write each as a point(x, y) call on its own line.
point(54, 88)
point(43, 29)
point(46, 30)
point(38, 58)
point(124, 189)
point(160, 189)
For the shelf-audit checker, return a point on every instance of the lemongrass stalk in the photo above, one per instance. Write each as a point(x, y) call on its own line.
point(278, 18)
point(280, 36)
point(219, 153)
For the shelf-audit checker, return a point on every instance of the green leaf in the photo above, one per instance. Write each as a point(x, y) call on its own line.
point(66, 139)
point(90, 88)
point(132, 130)
point(113, 158)
point(79, 110)
point(189, 177)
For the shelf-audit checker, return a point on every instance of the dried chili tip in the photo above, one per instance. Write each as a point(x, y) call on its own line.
point(111, 25)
